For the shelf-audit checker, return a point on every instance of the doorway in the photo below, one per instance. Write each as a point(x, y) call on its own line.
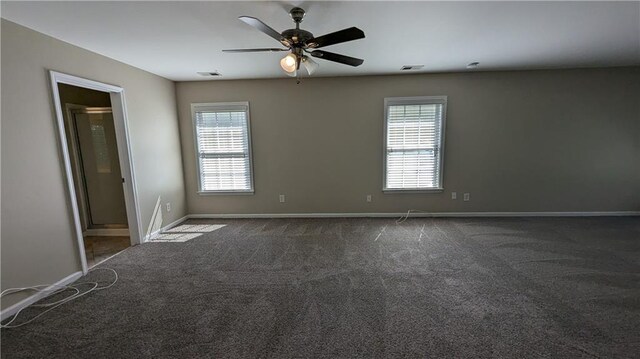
point(94, 143)
point(94, 152)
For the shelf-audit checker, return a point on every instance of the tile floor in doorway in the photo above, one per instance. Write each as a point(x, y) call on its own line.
point(99, 248)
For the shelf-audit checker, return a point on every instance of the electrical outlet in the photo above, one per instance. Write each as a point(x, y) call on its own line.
point(454, 195)
point(368, 198)
point(282, 199)
point(168, 206)
point(467, 197)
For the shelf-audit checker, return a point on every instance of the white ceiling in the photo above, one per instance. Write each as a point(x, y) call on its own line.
point(177, 39)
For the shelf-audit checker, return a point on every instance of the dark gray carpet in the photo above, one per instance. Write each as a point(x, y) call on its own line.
point(337, 288)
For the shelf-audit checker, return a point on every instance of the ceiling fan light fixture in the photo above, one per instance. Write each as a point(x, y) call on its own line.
point(310, 65)
point(289, 63)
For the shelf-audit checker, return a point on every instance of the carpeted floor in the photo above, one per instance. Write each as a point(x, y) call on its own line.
point(370, 288)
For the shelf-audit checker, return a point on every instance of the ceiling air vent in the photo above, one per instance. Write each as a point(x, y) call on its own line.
point(411, 67)
point(209, 74)
point(473, 65)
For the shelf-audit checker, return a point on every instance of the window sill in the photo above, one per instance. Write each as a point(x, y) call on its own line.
point(226, 193)
point(412, 190)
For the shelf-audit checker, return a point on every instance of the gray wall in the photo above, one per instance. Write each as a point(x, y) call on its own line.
point(564, 140)
point(36, 216)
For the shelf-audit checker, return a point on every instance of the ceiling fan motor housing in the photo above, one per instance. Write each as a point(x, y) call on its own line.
point(298, 37)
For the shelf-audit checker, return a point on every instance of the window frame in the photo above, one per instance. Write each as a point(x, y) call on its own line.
point(416, 100)
point(220, 107)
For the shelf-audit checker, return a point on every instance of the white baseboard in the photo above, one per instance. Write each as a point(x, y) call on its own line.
point(168, 226)
point(13, 309)
point(542, 214)
point(417, 214)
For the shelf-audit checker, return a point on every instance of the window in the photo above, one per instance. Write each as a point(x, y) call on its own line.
point(414, 138)
point(223, 147)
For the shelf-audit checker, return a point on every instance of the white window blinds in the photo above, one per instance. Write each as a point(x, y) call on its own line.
point(413, 147)
point(223, 146)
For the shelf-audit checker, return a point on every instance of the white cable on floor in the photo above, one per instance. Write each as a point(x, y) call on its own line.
point(56, 289)
point(406, 216)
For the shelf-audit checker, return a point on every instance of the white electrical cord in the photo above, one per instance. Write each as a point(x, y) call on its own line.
point(406, 216)
point(95, 286)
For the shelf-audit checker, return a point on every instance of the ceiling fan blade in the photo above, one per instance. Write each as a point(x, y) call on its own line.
point(352, 33)
point(256, 50)
point(347, 60)
point(262, 27)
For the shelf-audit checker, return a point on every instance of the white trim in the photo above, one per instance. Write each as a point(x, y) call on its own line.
point(119, 111)
point(13, 309)
point(84, 83)
point(55, 79)
point(418, 214)
point(222, 106)
point(391, 101)
point(226, 192)
point(413, 190)
point(165, 228)
point(121, 124)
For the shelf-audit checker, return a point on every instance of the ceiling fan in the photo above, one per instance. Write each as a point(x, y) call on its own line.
point(301, 43)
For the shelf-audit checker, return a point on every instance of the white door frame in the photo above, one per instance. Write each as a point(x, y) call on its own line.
point(118, 106)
